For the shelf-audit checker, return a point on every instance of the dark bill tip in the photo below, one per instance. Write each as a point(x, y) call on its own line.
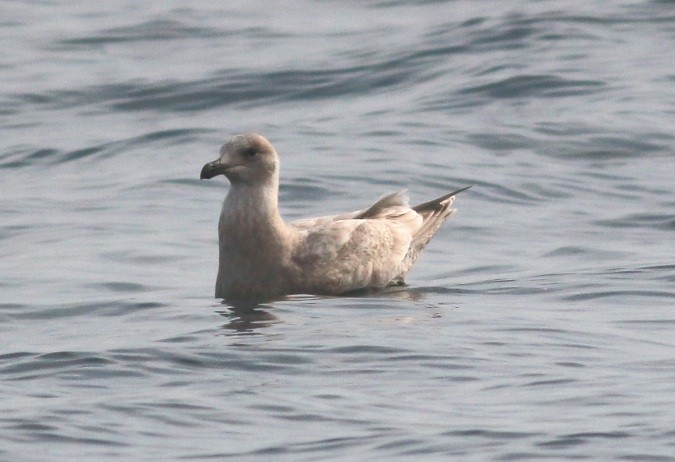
point(212, 169)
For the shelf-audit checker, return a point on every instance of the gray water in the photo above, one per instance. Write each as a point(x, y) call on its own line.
point(538, 324)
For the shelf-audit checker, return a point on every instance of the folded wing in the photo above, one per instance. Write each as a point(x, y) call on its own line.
point(368, 248)
point(355, 250)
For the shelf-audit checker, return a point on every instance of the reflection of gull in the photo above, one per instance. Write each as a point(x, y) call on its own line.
point(247, 320)
point(263, 258)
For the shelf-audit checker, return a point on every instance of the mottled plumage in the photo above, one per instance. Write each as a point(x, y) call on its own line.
point(262, 258)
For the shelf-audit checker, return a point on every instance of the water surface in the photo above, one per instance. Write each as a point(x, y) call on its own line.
point(539, 323)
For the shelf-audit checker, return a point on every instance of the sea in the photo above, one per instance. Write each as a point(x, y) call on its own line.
point(539, 323)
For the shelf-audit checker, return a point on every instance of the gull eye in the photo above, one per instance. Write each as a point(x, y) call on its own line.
point(250, 153)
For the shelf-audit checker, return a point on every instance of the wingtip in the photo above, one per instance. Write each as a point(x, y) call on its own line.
point(454, 193)
point(459, 190)
point(438, 203)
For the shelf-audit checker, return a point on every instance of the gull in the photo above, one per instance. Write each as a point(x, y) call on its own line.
point(262, 258)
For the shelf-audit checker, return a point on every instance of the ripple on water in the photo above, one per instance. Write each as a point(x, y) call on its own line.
point(25, 156)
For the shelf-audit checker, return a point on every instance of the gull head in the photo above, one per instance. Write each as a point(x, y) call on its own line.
point(247, 158)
